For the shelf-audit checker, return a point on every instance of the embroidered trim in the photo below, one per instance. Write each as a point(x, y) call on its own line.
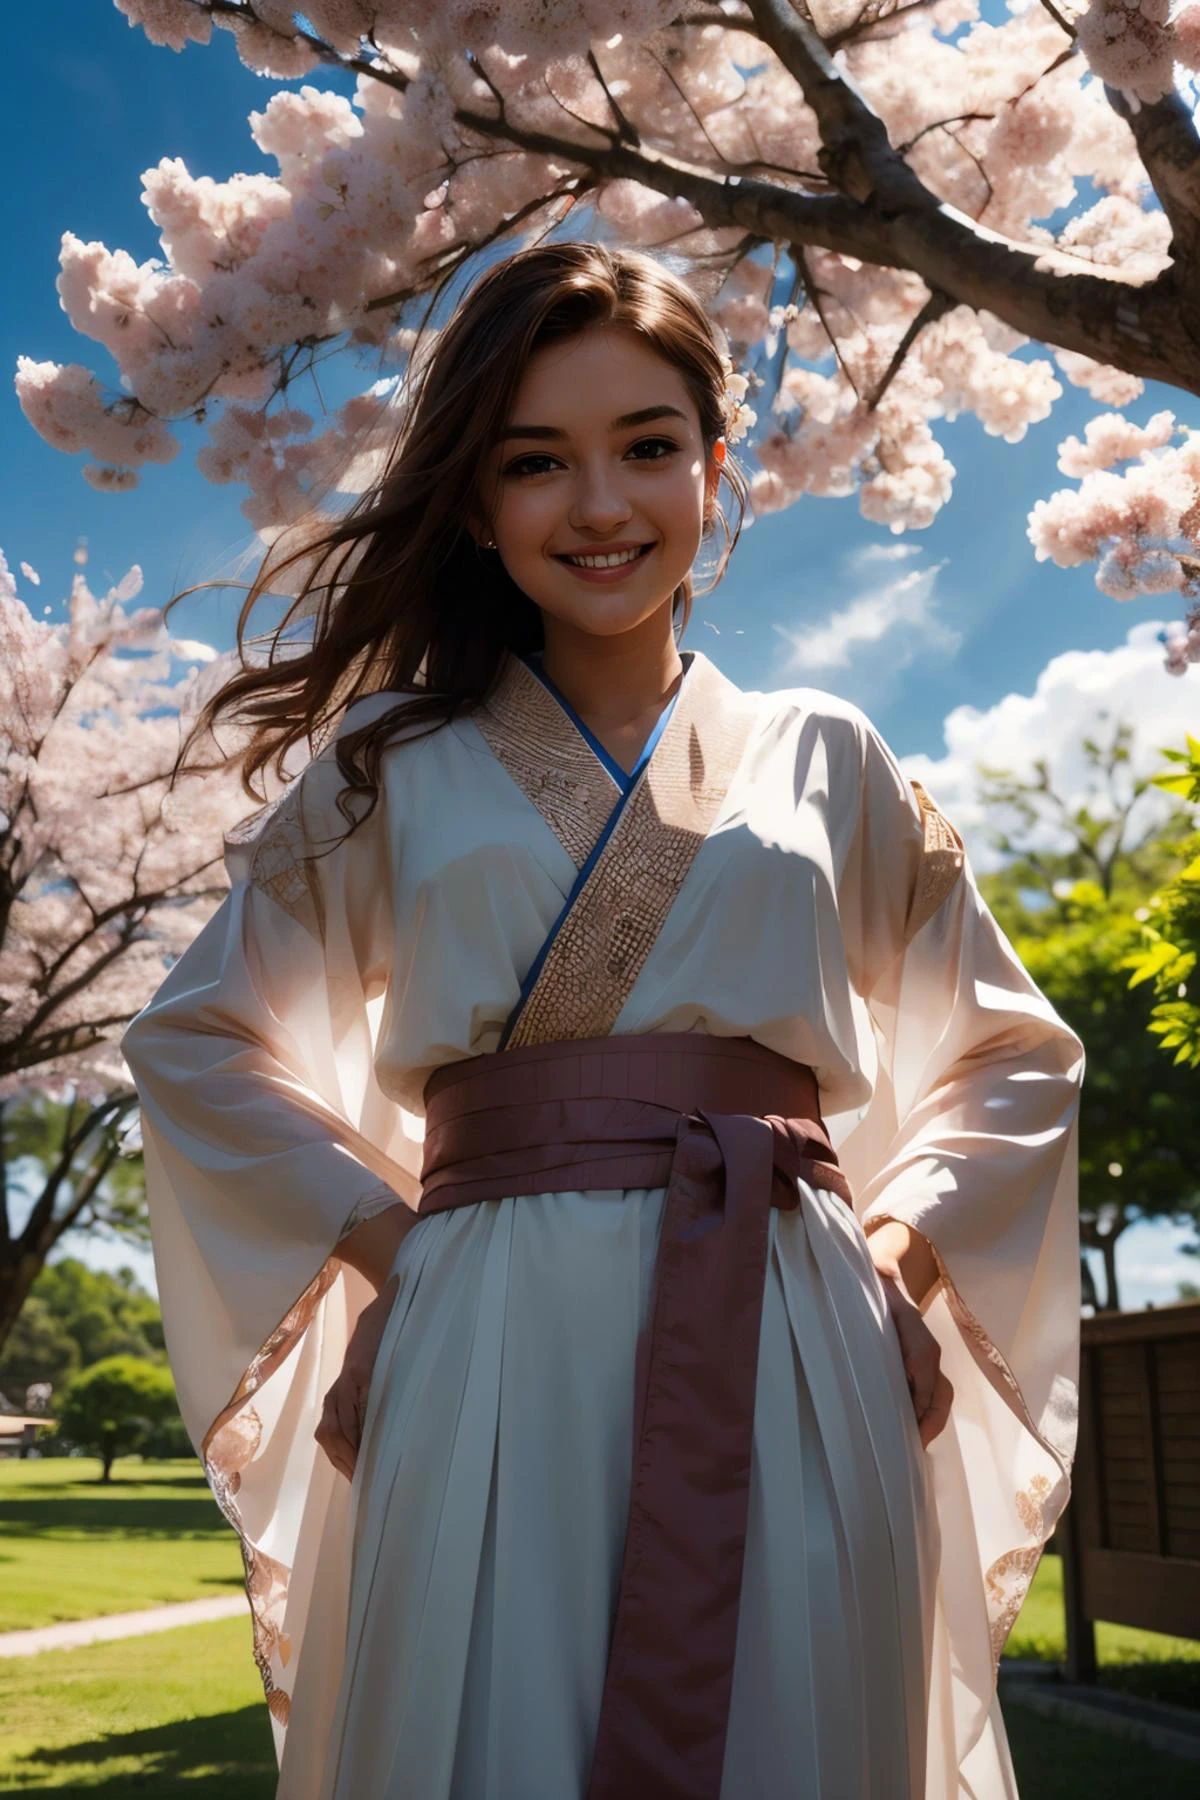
point(280, 863)
point(265, 1579)
point(1006, 1579)
point(524, 727)
point(591, 966)
point(230, 1444)
point(942, 860)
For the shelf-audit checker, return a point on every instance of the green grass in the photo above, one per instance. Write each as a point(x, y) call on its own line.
point(73, 1547)
point(179, 1713)
point(180, 1716)
point(1054, 1761)
point(1145, 1663)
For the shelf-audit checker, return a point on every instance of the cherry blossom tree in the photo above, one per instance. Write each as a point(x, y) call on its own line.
point(104, 879)
point(889, 205)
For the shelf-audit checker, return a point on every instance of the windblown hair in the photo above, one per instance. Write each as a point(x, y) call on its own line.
point(400, 596)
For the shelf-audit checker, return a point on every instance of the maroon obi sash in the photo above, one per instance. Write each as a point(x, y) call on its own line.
point(726, 1126)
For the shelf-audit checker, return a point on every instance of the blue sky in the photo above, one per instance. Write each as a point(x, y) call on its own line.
point(90, 106)
point(85, 108)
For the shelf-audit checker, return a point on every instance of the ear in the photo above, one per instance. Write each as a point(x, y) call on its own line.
point(712, 475)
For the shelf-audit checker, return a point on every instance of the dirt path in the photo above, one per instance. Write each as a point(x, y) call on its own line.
point(74, 1632)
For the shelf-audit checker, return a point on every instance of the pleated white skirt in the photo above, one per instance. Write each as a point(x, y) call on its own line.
point(490, 1502)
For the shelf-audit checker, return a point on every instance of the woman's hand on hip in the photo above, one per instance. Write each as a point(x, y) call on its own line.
point(340, 1431)
point(919, 1349)
point(922, 1354)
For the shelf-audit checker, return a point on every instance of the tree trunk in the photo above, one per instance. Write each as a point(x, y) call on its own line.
point(109, 1457)
point(1087, 1282)
point(75, 1166)
point(1108, 1250)
point(19, 1269)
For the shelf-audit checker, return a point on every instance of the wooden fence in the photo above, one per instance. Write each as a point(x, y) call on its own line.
point(1130, 1538)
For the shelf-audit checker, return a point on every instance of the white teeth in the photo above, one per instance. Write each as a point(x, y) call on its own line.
point(605, 562)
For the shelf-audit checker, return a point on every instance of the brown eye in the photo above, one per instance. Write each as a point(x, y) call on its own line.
point(664, 444)
point(525, 465)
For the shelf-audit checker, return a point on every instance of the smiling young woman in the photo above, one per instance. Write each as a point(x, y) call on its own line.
point(612, 1182)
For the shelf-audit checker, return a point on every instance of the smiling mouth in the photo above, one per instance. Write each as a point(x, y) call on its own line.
point(599, 559)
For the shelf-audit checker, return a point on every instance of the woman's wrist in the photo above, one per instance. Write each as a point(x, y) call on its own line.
point(372, 1245)
point(903, 1255)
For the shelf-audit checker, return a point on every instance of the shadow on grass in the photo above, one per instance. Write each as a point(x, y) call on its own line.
point(234, 1749)
point(113, 1518)
point(1055, 1761)
point(126, 1506)
point(1176, 1682)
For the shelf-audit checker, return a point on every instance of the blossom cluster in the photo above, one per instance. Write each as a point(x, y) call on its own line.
point(1141, 526)
point(374, 192)
point(111, 877)
point(739, 416)
point(1182, 643)
point(1137, 45)
point(1131, 44)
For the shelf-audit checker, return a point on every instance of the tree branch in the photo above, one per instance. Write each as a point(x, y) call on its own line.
point(106, 1112)
point(856, 153)
point(885, 215)
point(1169, 146)
point(934, 308)
point(83, 1193)
point(1039, 291)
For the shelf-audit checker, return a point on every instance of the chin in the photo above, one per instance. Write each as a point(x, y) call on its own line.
point(606, 621)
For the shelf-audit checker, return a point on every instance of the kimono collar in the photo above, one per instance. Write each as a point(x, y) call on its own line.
point(568, 775)
point(631, 836)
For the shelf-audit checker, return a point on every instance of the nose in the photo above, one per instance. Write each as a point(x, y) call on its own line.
point(598, 502)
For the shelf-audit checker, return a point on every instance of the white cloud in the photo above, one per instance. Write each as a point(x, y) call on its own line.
point(906, 601)
point(866, 556)
point(192, 650)
point(1078, 694)
point(1151, 1263)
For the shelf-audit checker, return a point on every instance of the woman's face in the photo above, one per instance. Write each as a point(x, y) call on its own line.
point(568, 478)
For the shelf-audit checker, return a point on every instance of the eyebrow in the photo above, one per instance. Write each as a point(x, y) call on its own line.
point(641, 417)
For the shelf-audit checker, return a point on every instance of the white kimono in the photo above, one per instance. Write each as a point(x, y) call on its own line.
point(439, 1627)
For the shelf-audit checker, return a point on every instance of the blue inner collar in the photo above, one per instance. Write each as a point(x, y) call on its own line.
point(624, 778)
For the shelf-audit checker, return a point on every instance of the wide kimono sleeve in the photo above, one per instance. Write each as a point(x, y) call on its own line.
point(266, 1138)
point(969, 1137)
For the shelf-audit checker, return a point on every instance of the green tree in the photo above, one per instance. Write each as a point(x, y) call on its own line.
point(39, 1348)
point(116, 1407)
point(65, 1158)
point(75, 1316)
point(1050, 843)
point(1169, 949)
point(1139, 1132)
point(1076, 878)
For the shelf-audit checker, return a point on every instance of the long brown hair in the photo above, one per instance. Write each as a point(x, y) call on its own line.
point(401, 596)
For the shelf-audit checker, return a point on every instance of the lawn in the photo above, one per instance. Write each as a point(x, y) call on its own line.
point(72, 1547)
point(180, 1713)
point(173, 1714)
point(179, 1716)
point(1138, 1662)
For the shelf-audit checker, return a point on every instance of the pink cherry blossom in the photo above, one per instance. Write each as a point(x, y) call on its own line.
point(108, 882)
point(638, 123)
point(1112, 438)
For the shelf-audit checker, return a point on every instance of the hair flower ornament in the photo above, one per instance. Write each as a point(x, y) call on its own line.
point(738, 416)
